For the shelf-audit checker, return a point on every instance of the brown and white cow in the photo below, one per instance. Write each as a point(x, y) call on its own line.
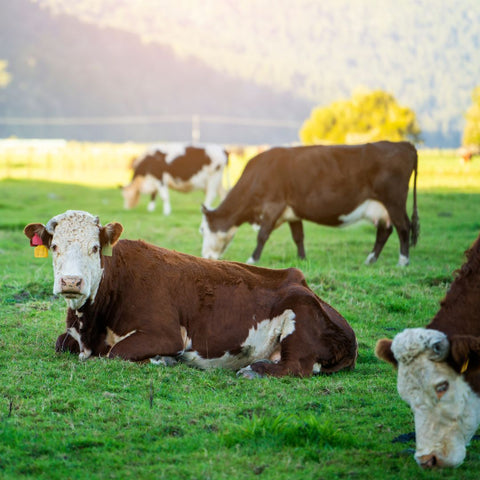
point(439, 370)
point(328, 185)
point(145, 302)
point(180, 167)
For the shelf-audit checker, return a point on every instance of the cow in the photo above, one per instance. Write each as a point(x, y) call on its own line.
point(146, 302)
point(181, 167)
point(439, 370)
point(328, 185)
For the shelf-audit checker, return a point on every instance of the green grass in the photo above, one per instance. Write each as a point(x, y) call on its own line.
point(64, 419)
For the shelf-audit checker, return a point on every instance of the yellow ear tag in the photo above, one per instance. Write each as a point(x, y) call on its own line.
point(40, 251)
point(107, 250)
point(464, 366)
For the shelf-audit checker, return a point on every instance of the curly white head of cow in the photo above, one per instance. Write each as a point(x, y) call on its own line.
point(76, 240)
point(432, 380)
point(216, 237)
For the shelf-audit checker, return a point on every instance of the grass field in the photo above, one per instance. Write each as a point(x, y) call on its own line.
point(64, 419)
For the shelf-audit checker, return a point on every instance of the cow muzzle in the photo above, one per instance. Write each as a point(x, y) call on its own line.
point(71, 286)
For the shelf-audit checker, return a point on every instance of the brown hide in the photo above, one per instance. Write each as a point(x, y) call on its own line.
point(459, 317)
point(155, 292)
point(320, 184)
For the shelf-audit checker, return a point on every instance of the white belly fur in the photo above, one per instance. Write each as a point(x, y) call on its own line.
point(261, 342)
point(370, 210)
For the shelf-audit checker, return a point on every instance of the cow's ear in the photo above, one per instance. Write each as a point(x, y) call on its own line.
point(110, 233)
point(465, 352)
point(37, 228)
point(383, 350)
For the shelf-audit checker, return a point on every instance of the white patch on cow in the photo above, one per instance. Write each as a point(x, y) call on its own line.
point(112, 338)
point(85, 354)
point(151, 206)
point(371, 258)
point(288, 215)
point(76, 253)
point(371, 210)
point(73, 332)
point(403, 261)
point(317, 367)
point(250, 261)
point(446, 409)
point(173, 151)
point(215, 243)
point(262, 342)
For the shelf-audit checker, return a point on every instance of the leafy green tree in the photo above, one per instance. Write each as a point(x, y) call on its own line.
point(471, 134)
point(368, 116)
point(5, 77)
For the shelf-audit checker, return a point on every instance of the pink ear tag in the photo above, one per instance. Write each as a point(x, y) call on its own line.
point(36, 240)
point(41, 251)
point(107, 250)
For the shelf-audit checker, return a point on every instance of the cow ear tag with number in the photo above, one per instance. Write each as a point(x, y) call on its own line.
point(107, 250)
point(40, 251)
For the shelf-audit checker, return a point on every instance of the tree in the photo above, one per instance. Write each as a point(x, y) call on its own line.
point(368, 116)
point(471, 134)
point(5, 77)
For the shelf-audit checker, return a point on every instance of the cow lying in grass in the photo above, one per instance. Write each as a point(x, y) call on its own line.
point(145, 302)
point(439, 370)
point(328, 185)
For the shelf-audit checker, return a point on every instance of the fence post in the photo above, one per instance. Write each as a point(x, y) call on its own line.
point(195, 129)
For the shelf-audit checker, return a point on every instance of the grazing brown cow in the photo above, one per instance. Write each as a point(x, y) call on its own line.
point(181, 167)
point(329, 185)
point(145, 302)
point(439, 370)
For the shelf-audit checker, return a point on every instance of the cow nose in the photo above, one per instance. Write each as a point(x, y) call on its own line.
point(71, 284)
point(428, 461)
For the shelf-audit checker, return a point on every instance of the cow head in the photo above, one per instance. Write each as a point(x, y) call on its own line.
point(431, 379)
point(76, 240)
point(215, 239)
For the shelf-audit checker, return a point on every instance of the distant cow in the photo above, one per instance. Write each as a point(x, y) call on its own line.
point(329, 185)
point(145, 302)
point(439, 370)
point(183, 168)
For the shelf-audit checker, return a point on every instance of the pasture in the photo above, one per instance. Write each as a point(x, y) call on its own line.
point(62, 418)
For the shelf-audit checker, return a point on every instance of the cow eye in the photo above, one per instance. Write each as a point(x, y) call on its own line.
point(54, 247)
point(441, 388)
point(95, 249)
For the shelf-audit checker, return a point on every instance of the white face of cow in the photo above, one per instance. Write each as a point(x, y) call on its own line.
point(76, 240)
point(446, 410)
point(215, 243)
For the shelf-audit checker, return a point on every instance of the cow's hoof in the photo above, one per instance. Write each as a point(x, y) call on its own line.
point(403, 261)
point(251, 261)
point(84, 355)
point(371, 259)
point(247, 372)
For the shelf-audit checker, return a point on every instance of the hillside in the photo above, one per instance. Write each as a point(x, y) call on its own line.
point(252, 59)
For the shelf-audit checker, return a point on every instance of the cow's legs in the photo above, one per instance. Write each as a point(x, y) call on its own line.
point(140, 346)
point(165, 196)
point(296, 228)
point(402, 226)
point(66, 343)
point(152, 204)
point(269, 219)
point(383, 233)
